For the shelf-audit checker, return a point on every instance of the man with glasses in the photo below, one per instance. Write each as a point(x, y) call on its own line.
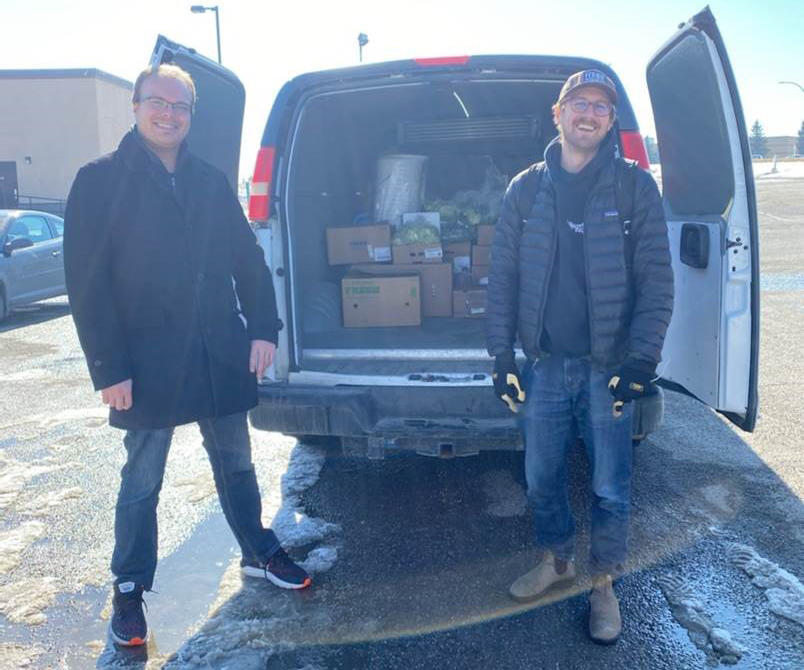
point(589, 294)
point(176, 314)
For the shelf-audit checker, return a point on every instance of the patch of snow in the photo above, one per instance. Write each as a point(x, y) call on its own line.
point(320, 559)
point(18, 656)
point(15, 475)
point(291, 525)
point(251, 620)
point(24, 601)
point(52, 500)
point(783, 590)
point(688, 609)
point(16, 541)
point(505, 497)
point(26, 375)
point(200, 487)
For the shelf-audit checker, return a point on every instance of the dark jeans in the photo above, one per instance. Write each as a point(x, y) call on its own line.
point(227, 444)
point(567, 397)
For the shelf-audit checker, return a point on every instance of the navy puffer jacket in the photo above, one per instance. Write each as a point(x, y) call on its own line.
point(628, 315)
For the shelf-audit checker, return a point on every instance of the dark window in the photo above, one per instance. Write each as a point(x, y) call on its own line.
point(697, 172)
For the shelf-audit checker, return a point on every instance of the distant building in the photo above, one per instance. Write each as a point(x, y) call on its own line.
point(51, 123)
point(781, 147)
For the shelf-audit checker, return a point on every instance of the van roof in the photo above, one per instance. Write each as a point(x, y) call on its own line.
point(556, 68)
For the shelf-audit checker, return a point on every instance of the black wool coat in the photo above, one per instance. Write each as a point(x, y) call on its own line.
point(159, 270)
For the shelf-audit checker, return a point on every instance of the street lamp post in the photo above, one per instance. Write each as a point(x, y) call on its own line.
point(200, 9)
point(793, 83)
point(362, 40)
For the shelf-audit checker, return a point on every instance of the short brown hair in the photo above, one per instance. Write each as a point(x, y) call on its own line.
point(164, 70)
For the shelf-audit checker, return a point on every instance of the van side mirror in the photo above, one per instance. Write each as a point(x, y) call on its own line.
point(15, 244)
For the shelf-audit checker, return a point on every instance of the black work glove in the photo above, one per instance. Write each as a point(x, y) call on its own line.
point(507, 384)
point(629, 382)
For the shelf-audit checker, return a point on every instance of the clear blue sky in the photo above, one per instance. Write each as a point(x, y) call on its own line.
point(267, 42)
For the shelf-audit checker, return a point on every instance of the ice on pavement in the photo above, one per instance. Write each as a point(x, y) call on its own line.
point(15, 541)
point(14, 475)
point(783, 590)
point(291, 525)
point(18, 655)
point(51, 500)
point(24, 601)
point(251, 620)
point(690, 611)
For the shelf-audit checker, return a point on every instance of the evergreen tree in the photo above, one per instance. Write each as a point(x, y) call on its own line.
point(652, 148)
point(757, 141)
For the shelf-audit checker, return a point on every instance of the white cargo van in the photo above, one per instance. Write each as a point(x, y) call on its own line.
point(428, 387)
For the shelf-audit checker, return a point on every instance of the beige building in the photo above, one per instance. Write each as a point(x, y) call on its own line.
point(54, 121)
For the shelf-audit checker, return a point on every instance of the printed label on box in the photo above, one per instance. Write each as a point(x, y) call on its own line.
point(382, 254)
point(433, 252)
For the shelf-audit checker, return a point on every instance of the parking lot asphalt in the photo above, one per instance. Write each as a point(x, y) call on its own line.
point(412, 556)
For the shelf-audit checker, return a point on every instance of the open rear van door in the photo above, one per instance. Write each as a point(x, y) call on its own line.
point(221, 99)
point(712, 346)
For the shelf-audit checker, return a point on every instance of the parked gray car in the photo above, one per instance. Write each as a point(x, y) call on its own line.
point(31, 261)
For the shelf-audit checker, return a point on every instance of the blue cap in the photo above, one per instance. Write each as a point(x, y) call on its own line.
point(588, 78)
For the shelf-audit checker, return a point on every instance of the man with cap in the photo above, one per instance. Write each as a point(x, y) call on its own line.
point(589, 295)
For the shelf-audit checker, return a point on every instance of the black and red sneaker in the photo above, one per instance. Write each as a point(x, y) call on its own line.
point(280, 570)
point(128, 627)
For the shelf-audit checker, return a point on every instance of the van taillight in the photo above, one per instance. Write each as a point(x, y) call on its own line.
point(634, 148)
point(259, 202)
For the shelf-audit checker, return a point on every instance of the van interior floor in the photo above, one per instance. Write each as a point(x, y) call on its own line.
point(440, 344)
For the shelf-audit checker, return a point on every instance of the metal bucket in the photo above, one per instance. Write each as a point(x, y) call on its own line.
point(399, 187)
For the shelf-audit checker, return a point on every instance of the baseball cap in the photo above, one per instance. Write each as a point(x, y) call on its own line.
point(588, 78)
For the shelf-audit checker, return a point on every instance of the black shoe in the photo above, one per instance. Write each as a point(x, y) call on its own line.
point(128, 626)
point(279, 570)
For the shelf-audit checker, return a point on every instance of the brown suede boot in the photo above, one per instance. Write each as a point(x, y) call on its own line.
point(605, 623)
point(549, 571)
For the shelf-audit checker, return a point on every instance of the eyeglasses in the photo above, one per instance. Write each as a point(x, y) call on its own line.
point(580, 105)
point(160, 105)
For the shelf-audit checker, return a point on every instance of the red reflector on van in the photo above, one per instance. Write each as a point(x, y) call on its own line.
point(259, 202)
point(634, 148)
point(443, 60)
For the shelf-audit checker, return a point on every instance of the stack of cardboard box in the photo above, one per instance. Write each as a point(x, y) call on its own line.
point(377, 293)
point(472, 274)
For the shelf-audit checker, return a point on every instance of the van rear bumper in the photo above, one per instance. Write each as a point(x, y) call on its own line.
point(440, 420)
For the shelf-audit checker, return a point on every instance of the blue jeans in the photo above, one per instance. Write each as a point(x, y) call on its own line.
point(227, 444)
point(567, 397)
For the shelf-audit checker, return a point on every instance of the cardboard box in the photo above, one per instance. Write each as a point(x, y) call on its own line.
point(469, 304)
point(480, 255)
point(404, 254)
point(359, 244)
point(459, 254)
point(485, 234)
point(380, 301)
point(436, 283)
point(480, 275)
